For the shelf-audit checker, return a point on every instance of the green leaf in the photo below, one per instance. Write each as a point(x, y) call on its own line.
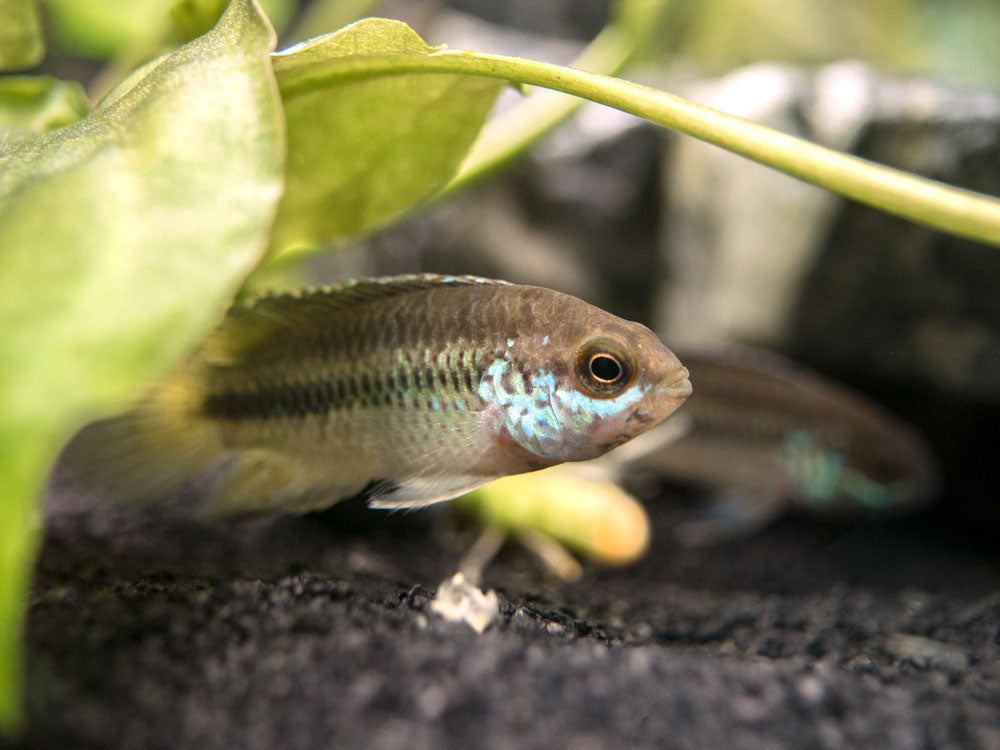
point(194, 17)
point(122, 238)
point(30, 105)
point(20, 35)
point(319, 16)
point(360, 152)
point(105, 28)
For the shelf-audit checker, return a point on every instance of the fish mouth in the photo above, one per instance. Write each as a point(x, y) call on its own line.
point(676, 384)
point(664, 399)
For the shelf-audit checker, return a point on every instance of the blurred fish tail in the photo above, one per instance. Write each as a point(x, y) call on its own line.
point(145, 454)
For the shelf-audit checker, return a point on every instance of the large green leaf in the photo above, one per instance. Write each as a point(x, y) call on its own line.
point(122, 237)
point(361, 152)
point(20, 34)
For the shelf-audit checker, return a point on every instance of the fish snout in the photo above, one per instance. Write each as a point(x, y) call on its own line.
point(676, 384)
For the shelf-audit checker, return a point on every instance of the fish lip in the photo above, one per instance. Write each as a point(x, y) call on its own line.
point(676, 384)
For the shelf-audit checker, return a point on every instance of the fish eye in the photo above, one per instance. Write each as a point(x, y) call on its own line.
point(603, 369)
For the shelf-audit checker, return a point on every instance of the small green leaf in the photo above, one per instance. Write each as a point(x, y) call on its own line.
point(360, 152)
point(20, 35)
point(194, 17)
point(103, 29)
point(122, 238)
point(30, 105)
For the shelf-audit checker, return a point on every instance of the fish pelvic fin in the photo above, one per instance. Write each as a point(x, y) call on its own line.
point(144, 455)
point(420, 491)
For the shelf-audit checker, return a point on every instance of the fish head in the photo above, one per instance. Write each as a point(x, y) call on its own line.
point(584, 387)
point(889, 466)
point(873, 462)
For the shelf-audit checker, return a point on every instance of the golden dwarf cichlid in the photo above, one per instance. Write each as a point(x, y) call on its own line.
point(413, 389)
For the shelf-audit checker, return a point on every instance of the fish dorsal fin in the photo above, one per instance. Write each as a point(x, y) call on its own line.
point(254, 321)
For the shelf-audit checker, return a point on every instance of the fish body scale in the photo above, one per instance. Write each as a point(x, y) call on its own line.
point(388, 385)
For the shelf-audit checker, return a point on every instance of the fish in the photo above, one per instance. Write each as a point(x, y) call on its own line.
point(411, 389)
point(764, 435)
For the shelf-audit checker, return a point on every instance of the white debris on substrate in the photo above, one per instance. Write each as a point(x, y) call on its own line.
point(458, 600)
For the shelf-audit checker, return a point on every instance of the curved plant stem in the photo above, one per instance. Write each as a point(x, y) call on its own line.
point(515, 130)
point(961, 212)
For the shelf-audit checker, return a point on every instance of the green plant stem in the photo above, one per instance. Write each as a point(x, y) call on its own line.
point(955, 210)
point(515, 130)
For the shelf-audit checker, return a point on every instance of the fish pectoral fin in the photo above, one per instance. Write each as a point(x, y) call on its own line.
point(728, 515)
point(263, 481)
point(420, 491)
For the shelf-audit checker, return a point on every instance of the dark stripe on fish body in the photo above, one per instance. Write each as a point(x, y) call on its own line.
point(399, 389)
point(275, 403)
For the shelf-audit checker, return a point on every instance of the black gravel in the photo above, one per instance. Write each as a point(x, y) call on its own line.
point(317, 632)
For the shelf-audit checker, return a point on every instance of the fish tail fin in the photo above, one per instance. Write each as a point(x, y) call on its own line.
point(145, 454)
